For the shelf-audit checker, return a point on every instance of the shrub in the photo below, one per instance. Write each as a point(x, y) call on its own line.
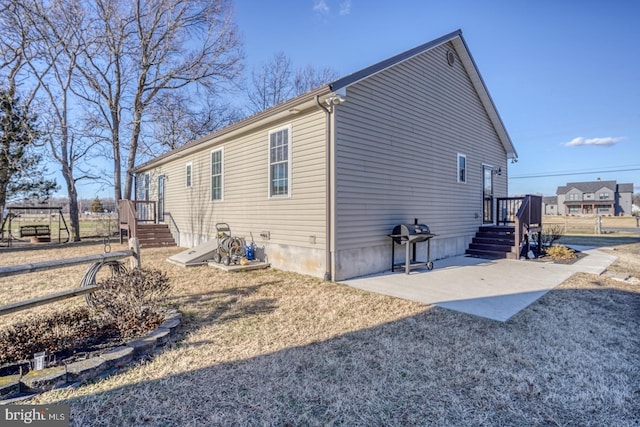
point(56, 332)
point(132, 300)
point(551, 233)
point(560, 252)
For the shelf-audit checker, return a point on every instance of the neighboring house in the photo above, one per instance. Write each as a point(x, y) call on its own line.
point(319, 181)
point(550, 205)
point(595, 198)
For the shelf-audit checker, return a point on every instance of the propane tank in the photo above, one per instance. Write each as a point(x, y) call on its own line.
point(249, 249)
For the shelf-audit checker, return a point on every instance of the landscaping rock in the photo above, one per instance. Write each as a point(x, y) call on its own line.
point(160, 335)
point(142, 346)
point(171, 324)
point(118, 357)
point(45, 379)
point(84, 370)
point(9, 386)
point(14, 386)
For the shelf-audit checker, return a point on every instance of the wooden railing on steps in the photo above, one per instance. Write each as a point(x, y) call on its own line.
point(133, 212)
point(525, 214)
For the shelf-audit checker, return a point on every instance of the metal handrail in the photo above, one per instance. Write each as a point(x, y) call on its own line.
point(173, 227)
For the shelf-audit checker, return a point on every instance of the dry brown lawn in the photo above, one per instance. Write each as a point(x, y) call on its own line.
point(276, 348)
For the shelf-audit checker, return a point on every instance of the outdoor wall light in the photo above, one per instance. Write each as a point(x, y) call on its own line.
point(498, 171)
point(337, 99)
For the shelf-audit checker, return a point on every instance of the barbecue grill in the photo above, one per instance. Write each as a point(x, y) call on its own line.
point(409, 235)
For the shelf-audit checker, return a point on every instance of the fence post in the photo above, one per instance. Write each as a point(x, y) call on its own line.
point(134, 246)
point(598, 224)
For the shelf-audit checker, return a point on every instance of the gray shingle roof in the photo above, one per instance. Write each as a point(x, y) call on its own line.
point(625, 188)
point(587, 187)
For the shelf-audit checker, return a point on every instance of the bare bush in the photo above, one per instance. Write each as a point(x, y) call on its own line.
point(551, 233)
point(56, 332)
point(133, 300)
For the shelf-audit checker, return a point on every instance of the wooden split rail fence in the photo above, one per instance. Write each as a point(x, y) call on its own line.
point(96, 260)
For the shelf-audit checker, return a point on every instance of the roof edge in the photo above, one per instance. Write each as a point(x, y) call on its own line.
point(248, 121)
point(389, 62)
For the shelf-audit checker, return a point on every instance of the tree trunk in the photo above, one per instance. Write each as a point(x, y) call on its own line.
point(72, 192)
point(117, 175)
point(133, 149)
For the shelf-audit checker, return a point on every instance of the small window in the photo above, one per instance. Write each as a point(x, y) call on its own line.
point(216, 174)
point(188, 174)
point(604, 196)
point(279, 162)
point(462, 168)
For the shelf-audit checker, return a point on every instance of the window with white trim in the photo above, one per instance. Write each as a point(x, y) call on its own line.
point(188, 173)
point(280, 162)
point(216, 174)
point(462, 168)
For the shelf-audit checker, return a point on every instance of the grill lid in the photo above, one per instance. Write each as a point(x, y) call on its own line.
point(406, 230)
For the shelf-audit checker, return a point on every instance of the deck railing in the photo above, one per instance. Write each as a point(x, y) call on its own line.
point(132, 212)
point(525, 214)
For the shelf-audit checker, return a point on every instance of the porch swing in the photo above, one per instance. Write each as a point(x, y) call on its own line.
point(36, 232)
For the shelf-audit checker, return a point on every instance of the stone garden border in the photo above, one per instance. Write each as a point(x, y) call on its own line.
point(19, 387)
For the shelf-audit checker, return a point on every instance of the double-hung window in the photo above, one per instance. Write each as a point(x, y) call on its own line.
point(216, 174)
point(462, 168)
point(280, 162)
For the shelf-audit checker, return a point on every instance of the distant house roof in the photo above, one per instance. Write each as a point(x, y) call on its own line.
point(593, 186)
point(587, 187)
point(625, 188)
point(341, 84)
point(550, 200)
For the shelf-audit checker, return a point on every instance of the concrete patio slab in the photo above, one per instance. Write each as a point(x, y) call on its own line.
point(494, 289)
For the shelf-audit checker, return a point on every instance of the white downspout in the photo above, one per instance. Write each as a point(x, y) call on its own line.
point(328, 204)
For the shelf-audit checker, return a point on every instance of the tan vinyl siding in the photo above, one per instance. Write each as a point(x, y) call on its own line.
point(397, 140)
point(246, 205)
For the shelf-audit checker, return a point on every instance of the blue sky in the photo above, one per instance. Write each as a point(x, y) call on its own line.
point(564, 75)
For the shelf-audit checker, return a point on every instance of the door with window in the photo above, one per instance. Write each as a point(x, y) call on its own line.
point(487, 199)
point(161, 198)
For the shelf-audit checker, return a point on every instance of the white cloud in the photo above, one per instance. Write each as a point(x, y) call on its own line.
point(606, 141)
point(345, 7)
point(321, 6)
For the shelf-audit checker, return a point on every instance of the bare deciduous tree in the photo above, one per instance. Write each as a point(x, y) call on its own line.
point(179, 43)
point(308, 78)
point(52, 57)
point(275, 82)
point(136, 51)
point(270, 84)
point(176, 120)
